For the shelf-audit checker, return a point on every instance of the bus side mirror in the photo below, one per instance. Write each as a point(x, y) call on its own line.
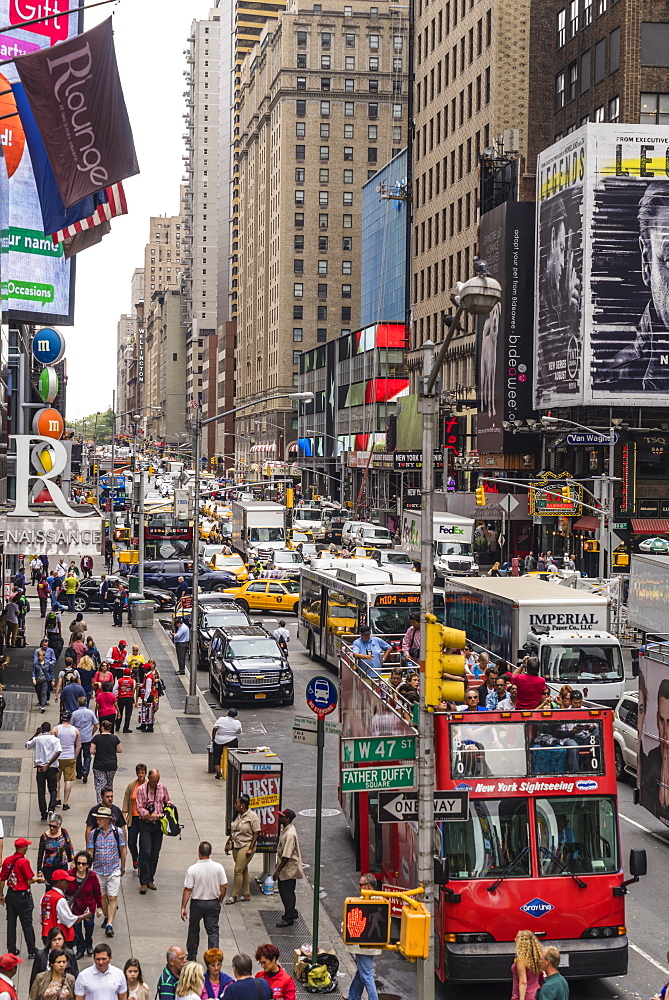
point(441, 873)
point(638, 862)
point(635, 663)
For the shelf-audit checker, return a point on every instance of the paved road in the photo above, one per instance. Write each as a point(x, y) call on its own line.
point(647, 912)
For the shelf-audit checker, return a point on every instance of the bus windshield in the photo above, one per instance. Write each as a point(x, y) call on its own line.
point(578, 834)
point(308, 514)
point(392, 621)
point(494, 840)
point(581, 664)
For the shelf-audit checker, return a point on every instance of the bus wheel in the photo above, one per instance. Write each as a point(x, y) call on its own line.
point(621, 773)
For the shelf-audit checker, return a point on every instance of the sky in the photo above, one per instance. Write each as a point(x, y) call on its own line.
point(150, 36)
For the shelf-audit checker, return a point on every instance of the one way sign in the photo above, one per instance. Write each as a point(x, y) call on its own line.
point(399, 807)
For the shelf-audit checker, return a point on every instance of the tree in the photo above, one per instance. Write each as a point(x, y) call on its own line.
point(95, 427)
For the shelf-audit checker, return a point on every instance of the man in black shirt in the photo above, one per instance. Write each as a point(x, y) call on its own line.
point(106, 800)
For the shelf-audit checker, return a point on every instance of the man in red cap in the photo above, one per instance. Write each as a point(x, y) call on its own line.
point(8, 964)
point(55, 910)
point(124, 689)
point(17, 874)
point(117, 655)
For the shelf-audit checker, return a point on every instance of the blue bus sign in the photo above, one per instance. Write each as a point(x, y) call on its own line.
point(322, 696)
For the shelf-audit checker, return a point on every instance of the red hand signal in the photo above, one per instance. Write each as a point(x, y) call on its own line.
point(356, 922)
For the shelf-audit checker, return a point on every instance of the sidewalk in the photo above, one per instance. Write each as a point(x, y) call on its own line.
point(145, 926)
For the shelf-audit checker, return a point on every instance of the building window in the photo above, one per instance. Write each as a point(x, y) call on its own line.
point(301, 83)
point(370, 173)
point(598, 115)
point(600, 56)
point(373, 64)
point(299, 197)
point(348, 199)
point(297, 333)
point(398, 43)
point(397, 134)
point(298, 266)
point(325, 130)
point(585, 72)
point(321, 335)
point(296, 357)
point(573, 18)
point(346, 291)
point(346, 267)
point(346, 314)
point(559, 91)
point(654, 42)
point(654, 109)
point(326, 39)
point(323, 176)
point(397, 111)
point(348, 177)
point(323, 198)
point(374, 43)
point(323, 220)
point(325, 83)
point(347, 221)
point(298, 241)
point(349, 109)
point(348, 131)
point(299, 220)
point(325, 109)
point(300, 108)
point(573, 80)
point(322, 267)
point(325, 153)
point(614, 109)
point(321, 313)
point(372, 154)
point(372, 111)
point(587, 13)
point(300, 129)
point(350, 40)
point(614, 50)
point(348, 11)
point(349, 86)
point(373, 86)
point(348, 152)
point(302, 60)
point(322, 291)
point(601, 7)
point(325, 62)
point(372, 132)
point(349, 62)
point(298, 290)
point(299, 175)
point(347, 243)
point(561, 27)
point(301, 38)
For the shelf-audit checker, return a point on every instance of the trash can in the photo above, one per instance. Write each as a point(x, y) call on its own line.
point(142, 614)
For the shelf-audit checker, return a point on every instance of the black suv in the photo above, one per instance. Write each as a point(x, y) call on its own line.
point(165, 573)
point(216, 611)
point(247, 664)
point(88, 595)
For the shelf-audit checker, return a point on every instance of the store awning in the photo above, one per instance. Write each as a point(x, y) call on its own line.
point(650, 525)
point(587, 523)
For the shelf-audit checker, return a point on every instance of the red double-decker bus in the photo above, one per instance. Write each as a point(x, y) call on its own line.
point(540, 848)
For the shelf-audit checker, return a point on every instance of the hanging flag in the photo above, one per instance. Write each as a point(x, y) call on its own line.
point(114, 204)
point(75, 94)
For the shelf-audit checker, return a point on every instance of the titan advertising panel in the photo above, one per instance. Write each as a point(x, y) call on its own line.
point(602, 286)
point(505, 339)
point(37, 280)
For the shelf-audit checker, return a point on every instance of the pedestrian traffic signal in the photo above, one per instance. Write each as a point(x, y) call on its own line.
point(415, 931)
point(437, 663)
point(590, 545)
point(480, 496)
point(366, 921)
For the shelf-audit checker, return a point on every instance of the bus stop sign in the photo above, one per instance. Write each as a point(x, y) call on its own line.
point(321, 696)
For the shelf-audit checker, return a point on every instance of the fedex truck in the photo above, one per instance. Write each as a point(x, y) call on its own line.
point(453, 540)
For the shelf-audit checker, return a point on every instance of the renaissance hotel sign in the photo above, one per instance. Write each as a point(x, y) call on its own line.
point(52, 536)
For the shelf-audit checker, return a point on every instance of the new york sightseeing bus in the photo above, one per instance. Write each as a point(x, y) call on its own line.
point(539, 850)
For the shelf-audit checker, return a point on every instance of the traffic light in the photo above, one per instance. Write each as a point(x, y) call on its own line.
point(566, 493)
point(95, 470)
point(438, 637)
point(290, 497)
point(480, 496)
point(415, 931)
point(366, 921)
point(590, 545)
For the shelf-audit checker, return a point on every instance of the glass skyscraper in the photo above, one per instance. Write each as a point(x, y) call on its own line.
point(383, 246)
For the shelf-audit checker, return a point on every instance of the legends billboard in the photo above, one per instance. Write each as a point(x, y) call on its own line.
point(505, 340)
point(602, 285)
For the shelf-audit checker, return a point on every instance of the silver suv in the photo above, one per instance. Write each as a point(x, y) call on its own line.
point(626, 734)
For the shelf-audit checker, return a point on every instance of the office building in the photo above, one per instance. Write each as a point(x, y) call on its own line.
point(383, 248)
point(322, 105)
point(129, 339)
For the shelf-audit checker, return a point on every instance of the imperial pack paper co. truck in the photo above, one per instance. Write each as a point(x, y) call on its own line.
point(453, 539)
point(258, 527)
point(567, 629)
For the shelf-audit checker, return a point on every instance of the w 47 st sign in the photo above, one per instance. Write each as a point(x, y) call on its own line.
point(370, 751)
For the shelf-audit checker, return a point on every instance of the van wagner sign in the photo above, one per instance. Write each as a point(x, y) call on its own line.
point(52, 536)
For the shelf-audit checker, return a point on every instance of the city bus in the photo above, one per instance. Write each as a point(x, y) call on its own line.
point(540, 848)
point(337, 601)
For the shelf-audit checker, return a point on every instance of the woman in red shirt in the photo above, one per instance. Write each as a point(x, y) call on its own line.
point(102, 676)
point(105, 703)
point(281, 984)
point(84, 894)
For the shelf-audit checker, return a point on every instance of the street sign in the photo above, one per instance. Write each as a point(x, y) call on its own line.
point(322, 696)
point(374, 779)
point(308, 736)
point(509, 503)
point(402, 808)
point(304, 722)
point(182, 504)
point(365, 751)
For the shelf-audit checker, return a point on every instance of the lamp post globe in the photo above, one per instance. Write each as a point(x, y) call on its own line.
point(480, 294)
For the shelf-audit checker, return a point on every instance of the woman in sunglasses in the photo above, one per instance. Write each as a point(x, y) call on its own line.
point(84, 895)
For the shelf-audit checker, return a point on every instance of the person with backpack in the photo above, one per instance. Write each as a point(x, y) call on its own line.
point(105, 747)
point(54, 851)
point(151, 801)
point(44, 661)
point(23, 604)
point(106, 844)
point(43, 592)
point(71, 693)
point(53, 632)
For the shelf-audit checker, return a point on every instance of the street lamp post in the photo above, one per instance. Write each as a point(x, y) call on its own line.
point(606, 506)
point(192, 706)
point(138, 484)
point(478, 295)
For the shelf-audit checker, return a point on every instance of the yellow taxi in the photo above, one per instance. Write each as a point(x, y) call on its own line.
point(230, 564)
point(267, 595)
point(361, 552)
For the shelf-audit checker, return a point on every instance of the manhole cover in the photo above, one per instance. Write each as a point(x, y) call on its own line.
point(324, 812)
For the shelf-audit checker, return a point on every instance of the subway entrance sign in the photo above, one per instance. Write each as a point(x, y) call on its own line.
point(377, 749)
point(373, 779)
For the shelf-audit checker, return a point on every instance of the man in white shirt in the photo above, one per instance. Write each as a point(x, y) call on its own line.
point(282, 636)
point(205, 886)
point(61, 568)
point(103, 981)
point(46, 748)
point(224, 734)
point(8, 964)
point(67, 762)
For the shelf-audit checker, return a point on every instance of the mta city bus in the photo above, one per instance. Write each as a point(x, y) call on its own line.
point(540, 848)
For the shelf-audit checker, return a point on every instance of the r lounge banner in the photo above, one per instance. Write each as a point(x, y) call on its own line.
point(75, 94)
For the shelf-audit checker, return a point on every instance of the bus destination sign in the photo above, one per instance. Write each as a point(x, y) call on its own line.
point(393, 600)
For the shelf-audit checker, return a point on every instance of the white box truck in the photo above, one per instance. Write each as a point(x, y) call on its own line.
point(453, 541)
point(567, 629)
point(258, 527)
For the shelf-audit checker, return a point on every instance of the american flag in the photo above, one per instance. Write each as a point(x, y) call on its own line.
point(109, 209)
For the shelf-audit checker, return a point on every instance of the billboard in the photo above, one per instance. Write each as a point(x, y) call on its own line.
point(506, 239)
point(601, 285)
point(37, 280)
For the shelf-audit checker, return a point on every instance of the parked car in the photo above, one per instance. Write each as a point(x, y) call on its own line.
point(246, 664)
point(392, 558)
point(88, 597)
point(267, 595)
point(165, 573)
point(626, 734)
